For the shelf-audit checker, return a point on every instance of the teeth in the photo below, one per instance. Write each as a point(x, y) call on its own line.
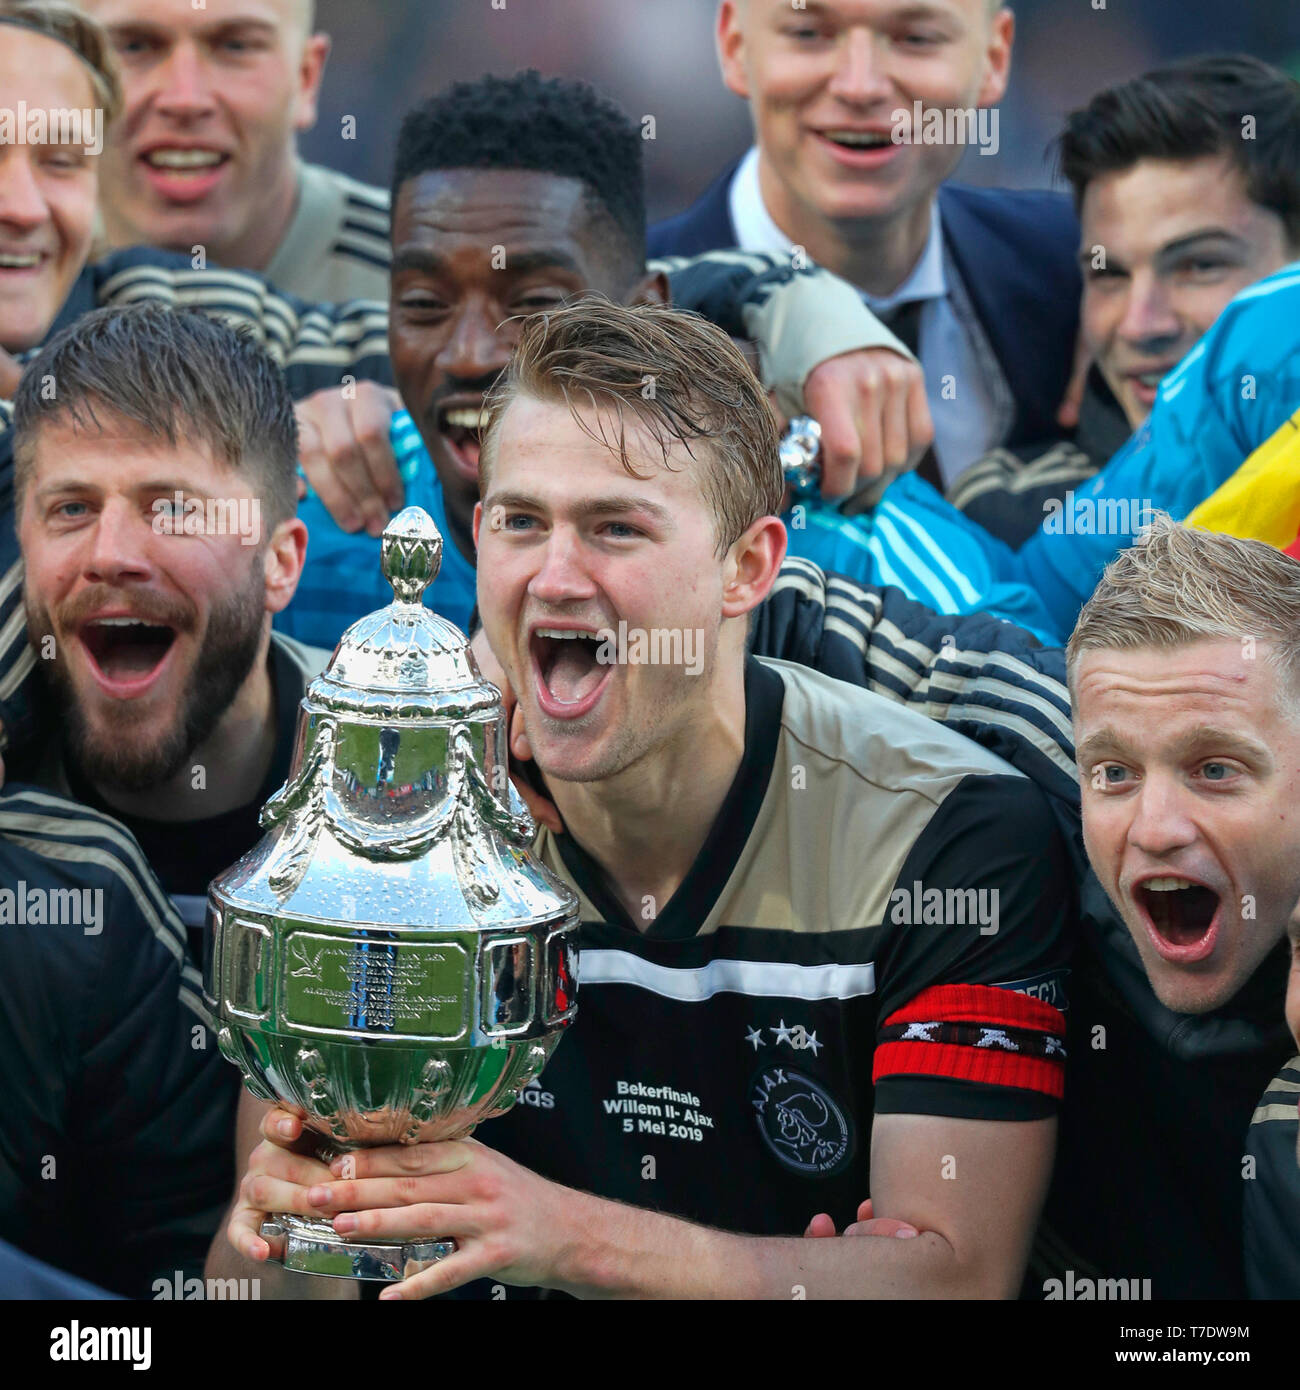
point(19, 262)
point(862, 138)
point(183, 159)
point(1168, 885)
point(121, 622)
point(466, 419)
point(564, 634)
point(1151, 378)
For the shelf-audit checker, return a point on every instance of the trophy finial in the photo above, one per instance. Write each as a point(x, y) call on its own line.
point(411, 554)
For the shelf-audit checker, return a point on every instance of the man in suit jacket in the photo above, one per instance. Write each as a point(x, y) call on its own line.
point(984, 281)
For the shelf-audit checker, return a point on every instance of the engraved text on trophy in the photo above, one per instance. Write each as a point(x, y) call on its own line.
point(370, 985)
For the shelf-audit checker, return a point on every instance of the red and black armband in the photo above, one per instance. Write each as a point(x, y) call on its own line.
point(977, 1033)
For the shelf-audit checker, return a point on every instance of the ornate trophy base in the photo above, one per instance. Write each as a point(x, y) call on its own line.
point(314, 1247)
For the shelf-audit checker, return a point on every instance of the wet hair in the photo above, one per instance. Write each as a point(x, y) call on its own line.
point(667, 371)
point(1177, 585)
point(177, 375)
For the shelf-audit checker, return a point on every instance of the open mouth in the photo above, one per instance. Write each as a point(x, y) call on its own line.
point(15, 260)
point(178, 162)
point(859, 139)
point(1147, 384)
point(462, 428)
point(570, 676)
point(126, 653)
point(1181, 916)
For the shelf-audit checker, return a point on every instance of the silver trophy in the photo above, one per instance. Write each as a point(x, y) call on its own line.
point(800, 451)
point(390, 961)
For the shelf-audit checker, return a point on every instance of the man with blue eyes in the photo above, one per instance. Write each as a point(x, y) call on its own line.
point(206, 155)
point(157, 545)
point(1183, 671)
point(1183, 677)
point(1188, 746)
point(982, 283)
point(511, 196)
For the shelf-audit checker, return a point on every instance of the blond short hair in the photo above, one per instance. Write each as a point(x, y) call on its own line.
point(1178, 584)
point(85, 36)
point(680, 377)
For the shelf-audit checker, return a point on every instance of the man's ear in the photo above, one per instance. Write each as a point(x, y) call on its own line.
point(651, 289)
point(286, 553)
point(997, 59)
point(730, 40)
point(311, 69)
point(752, 566)
point(478, 521)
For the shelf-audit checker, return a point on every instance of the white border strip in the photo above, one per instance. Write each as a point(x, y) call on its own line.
point(761, 979)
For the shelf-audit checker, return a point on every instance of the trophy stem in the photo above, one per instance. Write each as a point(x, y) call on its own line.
point(314, 1247)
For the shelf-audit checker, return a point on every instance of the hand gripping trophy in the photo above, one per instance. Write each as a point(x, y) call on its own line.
point(390, 961)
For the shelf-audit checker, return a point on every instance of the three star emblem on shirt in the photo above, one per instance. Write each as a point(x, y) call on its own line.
point(796, 1037)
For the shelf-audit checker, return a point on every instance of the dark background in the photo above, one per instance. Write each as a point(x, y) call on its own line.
point(656, 57)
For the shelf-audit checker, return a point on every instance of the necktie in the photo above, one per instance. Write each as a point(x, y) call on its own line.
point(904, 322)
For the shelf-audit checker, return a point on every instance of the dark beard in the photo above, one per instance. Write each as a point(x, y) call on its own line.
point(226, 656)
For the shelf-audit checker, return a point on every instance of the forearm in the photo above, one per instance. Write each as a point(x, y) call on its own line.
point(626, 1252)
point(799, 316)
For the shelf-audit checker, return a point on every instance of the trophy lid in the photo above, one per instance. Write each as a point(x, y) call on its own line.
point(404, 663)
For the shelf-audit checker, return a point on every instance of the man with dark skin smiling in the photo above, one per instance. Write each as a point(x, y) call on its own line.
point(510, 196)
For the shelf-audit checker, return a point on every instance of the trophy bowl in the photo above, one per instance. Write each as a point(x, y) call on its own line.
point(390, 961)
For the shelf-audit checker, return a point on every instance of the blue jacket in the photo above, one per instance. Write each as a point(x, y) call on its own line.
point(1017, 255)
point(1237, 387)
point(920, 544)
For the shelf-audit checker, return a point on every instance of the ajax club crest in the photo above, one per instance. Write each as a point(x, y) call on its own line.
point(801, 1122)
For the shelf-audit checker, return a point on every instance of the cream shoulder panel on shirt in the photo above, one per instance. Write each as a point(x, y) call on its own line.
point(309, 263)
point(856, 779)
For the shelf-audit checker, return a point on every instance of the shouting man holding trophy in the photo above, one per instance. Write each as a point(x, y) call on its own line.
point(820, 937)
